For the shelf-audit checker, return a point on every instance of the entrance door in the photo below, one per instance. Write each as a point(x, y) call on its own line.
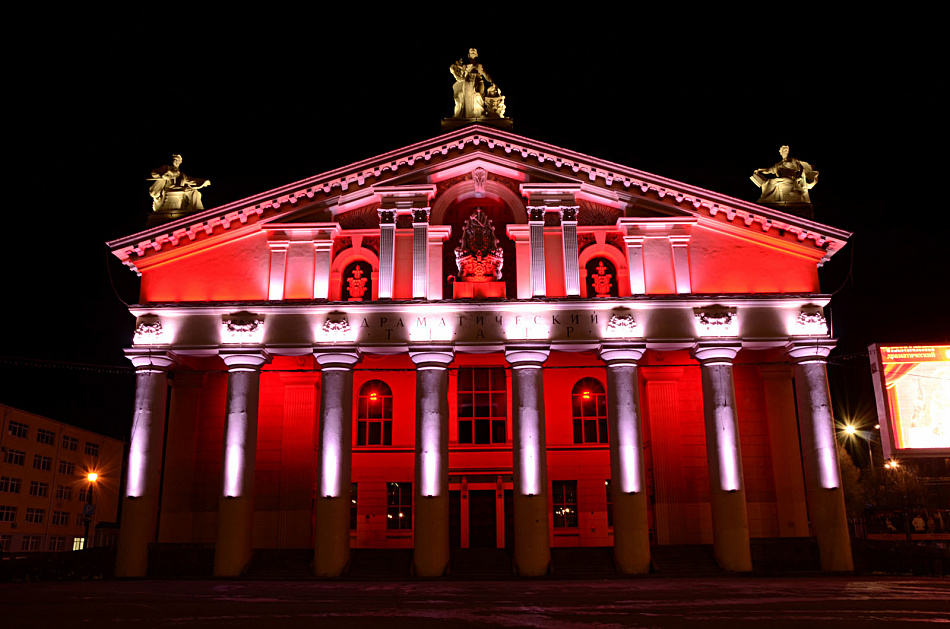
point(482, 526)
point(455, 518)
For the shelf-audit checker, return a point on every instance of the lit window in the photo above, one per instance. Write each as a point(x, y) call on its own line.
point(67, 467)
point(30, 542)
point(10, 485)
point(18, 429)
point(374, 415)
point(44, 463)
point(78, 543)
point(70, 443)
point(14, 457)
point(482, 405)
point(39, 489)
point(564, 502)
point(399, 506)
point(92, 449)
point(589, 409)
point(46, 437)
point(35, 516)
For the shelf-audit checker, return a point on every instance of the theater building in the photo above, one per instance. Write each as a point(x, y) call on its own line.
point(481, 340)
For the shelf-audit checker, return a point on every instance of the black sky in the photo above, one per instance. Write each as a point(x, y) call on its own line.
point(703, 99)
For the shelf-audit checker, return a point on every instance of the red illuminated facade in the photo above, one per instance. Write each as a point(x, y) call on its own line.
point(618, 369)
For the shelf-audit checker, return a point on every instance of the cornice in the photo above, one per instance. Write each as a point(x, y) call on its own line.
point(573, 165)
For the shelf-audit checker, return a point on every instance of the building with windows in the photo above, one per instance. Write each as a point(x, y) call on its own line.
point(481, 340)
point(47, 500)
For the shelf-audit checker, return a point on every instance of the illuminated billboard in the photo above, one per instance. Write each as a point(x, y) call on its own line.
point(912, 383)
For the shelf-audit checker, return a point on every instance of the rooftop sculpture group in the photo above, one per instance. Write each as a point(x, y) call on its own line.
point(787, 182)
point(173, 190)
point(476, 96)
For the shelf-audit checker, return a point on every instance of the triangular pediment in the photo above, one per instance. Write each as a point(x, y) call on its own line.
point(605, 188)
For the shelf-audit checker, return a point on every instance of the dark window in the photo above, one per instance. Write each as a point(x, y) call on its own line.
point(564, 502)
point(45, 436)
point(92, 449)
point(10, 485)
point(44, 463)
point(482, 405)
point(374, 415)
point(39, 489)
point(399, 506)
point(70, 443)
point(14, 457)
point(67, 467)
point(18, 429)
point(589, 410)
point(601, 278)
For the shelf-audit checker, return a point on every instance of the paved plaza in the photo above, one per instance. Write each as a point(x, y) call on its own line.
point(729, 602)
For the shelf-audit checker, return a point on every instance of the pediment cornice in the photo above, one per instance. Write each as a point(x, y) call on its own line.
point(419, 163)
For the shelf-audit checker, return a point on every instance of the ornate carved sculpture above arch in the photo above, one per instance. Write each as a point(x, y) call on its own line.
point(342, 265)
point(482, 188)
point(600, 248)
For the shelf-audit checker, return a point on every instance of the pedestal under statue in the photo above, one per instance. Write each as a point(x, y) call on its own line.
point(786, 184)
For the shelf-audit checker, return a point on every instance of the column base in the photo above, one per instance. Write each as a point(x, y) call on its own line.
point(631, 534)
point(331, 547)
point(135, 534)
point(532, 544)
point(430, 555)
point(830, 524)
point(232, 549)
point(731, 531)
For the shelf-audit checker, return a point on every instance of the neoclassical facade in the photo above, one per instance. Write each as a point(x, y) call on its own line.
point(481, 340)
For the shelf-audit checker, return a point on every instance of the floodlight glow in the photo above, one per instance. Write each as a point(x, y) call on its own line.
point(92, 477)
point(727, 444)
point(136, 471)
point(234, 455)
point(850, 430)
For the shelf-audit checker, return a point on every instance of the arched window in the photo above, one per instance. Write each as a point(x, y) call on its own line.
point(601, 278)
point(374, 415)
point(357, 282)
point(589, 406)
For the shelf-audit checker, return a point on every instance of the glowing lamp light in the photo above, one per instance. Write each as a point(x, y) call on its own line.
point(92, 477)
point(586, 395)
point(850, 430)
point(373, 396)
point(891, 465)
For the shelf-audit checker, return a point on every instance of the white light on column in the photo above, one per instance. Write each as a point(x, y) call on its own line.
point(137, 465)
point(728, 449)
point(329, 481)
point(530, 483)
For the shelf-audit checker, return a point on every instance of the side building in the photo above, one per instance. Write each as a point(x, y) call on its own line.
point(59, 485)
point(481, 340)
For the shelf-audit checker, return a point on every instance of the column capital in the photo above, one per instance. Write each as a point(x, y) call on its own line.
point(527, 356)
point(149, 359)
point(709, 354)
point(244, 360)
point(420, 216)
point(621, 354)
point(342, 358)
point(432, 357)
point(810, 351)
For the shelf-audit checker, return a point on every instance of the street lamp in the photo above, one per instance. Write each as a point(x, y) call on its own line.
point(89, 508)
point(852, 432)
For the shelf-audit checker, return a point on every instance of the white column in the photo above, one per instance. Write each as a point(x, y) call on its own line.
point(278, 269)
point(681, 263)
point(627, 469)
point(233, 547)
point(726, 487)
point(430, 557)
point(321, 268)
point(638, 285)
point(536, 238)
point(420, 253)
point(331, 550)
point(572, 276)
point(820, 454)
point(140, 503)
point(387, 251)
point(532, 544)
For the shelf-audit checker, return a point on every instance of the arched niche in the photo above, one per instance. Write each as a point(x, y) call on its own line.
point(458, 203)
point(343, 260)
point(600, 249)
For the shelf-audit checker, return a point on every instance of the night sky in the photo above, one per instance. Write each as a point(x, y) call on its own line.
point(701, 102)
